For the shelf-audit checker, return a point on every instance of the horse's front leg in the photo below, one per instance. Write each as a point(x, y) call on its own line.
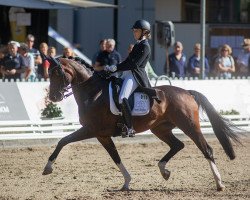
point(109, 145)
point(81, 134)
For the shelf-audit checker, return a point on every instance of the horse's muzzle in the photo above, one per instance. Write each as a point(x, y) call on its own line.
point(56, 97)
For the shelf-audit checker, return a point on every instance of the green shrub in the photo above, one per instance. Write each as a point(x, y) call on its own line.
point(229, 112)
point(51, 111)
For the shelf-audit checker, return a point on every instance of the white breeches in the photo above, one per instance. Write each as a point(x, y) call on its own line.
point(129, 85)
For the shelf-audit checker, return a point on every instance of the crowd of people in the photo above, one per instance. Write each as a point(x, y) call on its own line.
point(23, 61)
point(223, 65)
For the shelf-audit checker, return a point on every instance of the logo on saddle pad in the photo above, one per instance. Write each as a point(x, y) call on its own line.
point(141, 104)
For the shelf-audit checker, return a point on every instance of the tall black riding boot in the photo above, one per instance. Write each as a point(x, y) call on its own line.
point(126, 112)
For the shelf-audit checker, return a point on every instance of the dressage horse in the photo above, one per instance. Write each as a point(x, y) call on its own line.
point(178, 108)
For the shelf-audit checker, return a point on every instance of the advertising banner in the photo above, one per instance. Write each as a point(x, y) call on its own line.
point(11, 104)
point(33, 95)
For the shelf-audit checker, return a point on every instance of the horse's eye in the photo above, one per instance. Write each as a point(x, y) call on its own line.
point(57, 72)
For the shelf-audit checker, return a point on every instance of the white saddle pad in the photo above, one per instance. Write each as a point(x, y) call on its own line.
point(141, 104)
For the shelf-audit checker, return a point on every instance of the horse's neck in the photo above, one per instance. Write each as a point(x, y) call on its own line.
point(88, 90)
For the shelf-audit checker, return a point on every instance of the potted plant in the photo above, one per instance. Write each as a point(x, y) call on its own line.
point(51, 110)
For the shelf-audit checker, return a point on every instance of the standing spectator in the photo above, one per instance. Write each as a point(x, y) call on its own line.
point(224, 64)
point(194, 65)
point(108, 57)
point(43, 69)
point(30, 40)
point(243, 60)
point(28, 62)
point(2, 54)
point(52, 52)
point(177, 61)
point(102, 45)
point(68, 53)
point(12, 62)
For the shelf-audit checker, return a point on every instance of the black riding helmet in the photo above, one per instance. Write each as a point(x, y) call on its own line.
point(142, 24)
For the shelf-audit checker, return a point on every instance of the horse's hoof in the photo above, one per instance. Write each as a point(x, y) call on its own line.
point(47, 170)
point(221, 188)
point(166, 174)
point(124, 188)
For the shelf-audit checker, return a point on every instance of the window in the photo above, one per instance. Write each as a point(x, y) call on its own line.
point(217, 11)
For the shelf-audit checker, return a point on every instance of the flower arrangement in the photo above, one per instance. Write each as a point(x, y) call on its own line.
point(51, 109)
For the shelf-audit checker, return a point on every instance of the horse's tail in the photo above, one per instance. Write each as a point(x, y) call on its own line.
point(223, 129)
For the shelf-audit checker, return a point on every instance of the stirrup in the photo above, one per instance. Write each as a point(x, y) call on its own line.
point(127, 132)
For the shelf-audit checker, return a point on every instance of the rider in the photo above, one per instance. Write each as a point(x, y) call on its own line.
point(134, 74)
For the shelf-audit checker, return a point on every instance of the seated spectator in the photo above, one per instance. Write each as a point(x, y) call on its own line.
point(28, 63)
point(194, 65)
point(102, 46)
point(243, 59)
point(108, 57)
point(224, 64)
point(43, 69)
point(52, 52)
point(177, 62)
point(12, 63)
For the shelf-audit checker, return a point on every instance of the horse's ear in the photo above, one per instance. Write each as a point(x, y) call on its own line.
point(43, 56)
point(54, 62)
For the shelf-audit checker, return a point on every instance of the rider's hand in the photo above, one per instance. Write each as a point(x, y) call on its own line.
point(111, 68)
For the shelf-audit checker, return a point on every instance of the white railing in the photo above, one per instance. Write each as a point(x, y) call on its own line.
point(11, 130)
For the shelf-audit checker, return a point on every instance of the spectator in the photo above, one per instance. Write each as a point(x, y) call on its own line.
point(52, 52)
point(68, 53)
point(194, 66)
point(177, 61)
point(243, 60)
point(30, 40)
point(43, 69)
point(102, 45)
point(28, 63)
point(148, 68)
point(224, 64)
point(12, 63)
point(108, 57)
point(2, 54)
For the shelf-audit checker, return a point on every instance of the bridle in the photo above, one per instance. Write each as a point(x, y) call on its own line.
point(64, 90)
point(66, 86)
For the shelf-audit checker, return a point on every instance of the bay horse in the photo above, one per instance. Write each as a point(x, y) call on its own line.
point(178, 108)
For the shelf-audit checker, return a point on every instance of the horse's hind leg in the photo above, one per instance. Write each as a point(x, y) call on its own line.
point(78, 135)
point(195, 134)
point(164, 132)
point(207, 151)
point(109, 145)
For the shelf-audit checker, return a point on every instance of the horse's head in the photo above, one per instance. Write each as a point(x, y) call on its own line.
point(59, 79)
point(63, 72)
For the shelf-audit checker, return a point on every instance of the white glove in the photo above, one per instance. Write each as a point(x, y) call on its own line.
point(111, 68)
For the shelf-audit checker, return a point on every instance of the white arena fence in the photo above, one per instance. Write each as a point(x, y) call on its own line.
point(47, 129)
point(21, 104)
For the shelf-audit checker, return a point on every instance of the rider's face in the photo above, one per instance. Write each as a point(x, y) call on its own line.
point(137, 33)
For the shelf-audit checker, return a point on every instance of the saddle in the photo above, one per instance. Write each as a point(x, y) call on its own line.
point(140, 100)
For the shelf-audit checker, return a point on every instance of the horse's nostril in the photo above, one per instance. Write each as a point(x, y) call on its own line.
point(52, 98)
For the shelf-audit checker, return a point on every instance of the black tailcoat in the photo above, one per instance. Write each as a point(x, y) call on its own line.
point(136, 62)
